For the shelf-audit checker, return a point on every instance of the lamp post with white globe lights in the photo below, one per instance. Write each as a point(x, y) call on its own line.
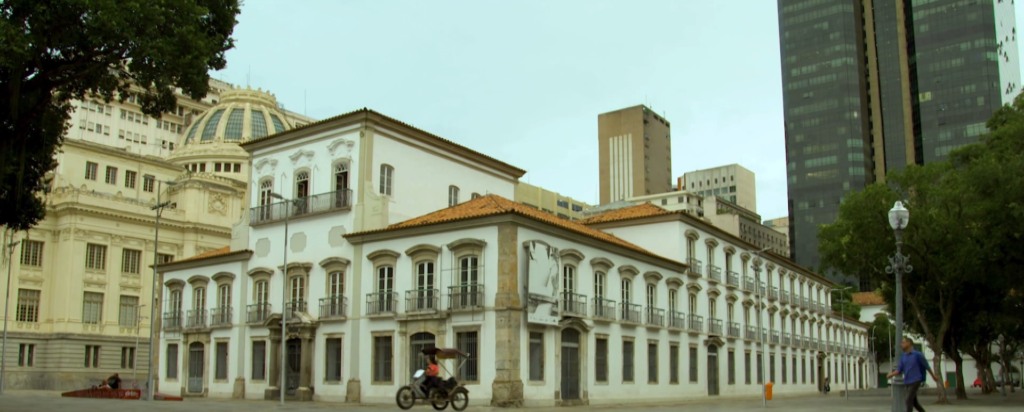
point(898, 265)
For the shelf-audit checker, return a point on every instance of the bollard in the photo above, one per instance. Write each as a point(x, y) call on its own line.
point(768, 390)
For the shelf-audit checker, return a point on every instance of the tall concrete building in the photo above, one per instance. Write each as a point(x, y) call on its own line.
point(634, 147)
point(731, 182)
point(871, 86)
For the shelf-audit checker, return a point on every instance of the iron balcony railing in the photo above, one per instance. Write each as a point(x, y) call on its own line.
point(295, 307)
point(748, 284)
point(733, 331)
point(337, 200)
point(784, 298)
point(604, 308)
point(195, 318)
point(715, 273)
point(629, 312)
point(805, 303)
point(696, 267)
point(258, 313)
point(220, 316)
point(714, 326)
point(797, 341)
point(381, 303)
point(333, 307)
point(466, 297)
point(750, 333)
point(786, 339)
point(655, 316)
point(733, 279)
point(775, 337)
point(677, 320)
point(172, 320)
point(422, 300)
point(761, 290)
point(773, 294)
point(696, 323)
point(764, 335)
point(574, 304)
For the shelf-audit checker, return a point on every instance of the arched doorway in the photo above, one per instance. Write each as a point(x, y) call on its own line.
point(570, 385)
point(417, 343)
point(196, 367)
point(712, 370)
point(293, 365)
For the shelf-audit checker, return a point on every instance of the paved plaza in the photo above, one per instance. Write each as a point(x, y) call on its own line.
point(35, 401)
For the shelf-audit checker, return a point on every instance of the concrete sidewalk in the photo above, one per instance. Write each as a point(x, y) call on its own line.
point(875, 400)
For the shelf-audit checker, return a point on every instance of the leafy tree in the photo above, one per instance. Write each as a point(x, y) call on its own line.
point(842, 301)
point(58, 50)
point(883, 338)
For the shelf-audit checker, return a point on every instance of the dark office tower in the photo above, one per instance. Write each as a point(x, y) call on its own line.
point(870, 86)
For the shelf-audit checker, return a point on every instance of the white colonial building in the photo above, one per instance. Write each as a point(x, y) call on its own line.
point(396, 239)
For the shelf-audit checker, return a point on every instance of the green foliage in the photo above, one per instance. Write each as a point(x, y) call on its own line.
point(58, 50)
point(883, 338)
point(842, 301)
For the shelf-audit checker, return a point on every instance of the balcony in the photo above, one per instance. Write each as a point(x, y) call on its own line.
point(733, 329)
point(574, 304)
point(604, 309)
point(220, 317)
point(804, 303)
point(773, 294)
point(714, 273)
point(422, 301)
point(784, 298)
point(797, 341)
point(466, 297)
point(334, 307)
point(655, 316)
point(787, 340)
point(172, 321)
point(676, 320)
point(696, 323)
point(748, 284)
point(629, 312)
point(381, 303)
point(195, 319)
point(732, 280)
point(258, 313)
point(294, 307)
point(324, 202)
point(761, 290)
point(775, 337)
point(750, 333)
point(715, 327)
point(696, 267)
point(764, 335)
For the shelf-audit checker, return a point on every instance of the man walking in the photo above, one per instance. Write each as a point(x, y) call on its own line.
point(913, 366)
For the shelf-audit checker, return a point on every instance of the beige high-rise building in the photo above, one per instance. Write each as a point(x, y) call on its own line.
point(635, 156)
point(552, 202)
point(731, 182)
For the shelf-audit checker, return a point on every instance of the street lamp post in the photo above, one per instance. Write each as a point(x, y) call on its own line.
point(284, 294)
point(135, 357)
point(159, 209)
point(760, 328)
point(842, 341)
point(899, 264)
point(7, 304)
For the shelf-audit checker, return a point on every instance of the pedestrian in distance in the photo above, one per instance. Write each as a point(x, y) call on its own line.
point(913, 366)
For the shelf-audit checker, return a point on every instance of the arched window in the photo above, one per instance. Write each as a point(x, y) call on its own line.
point(569, 279)
point(652, 295)
point(224, 296)
point(385, 286)
point(453, 195)
point(387, 176)
point(336, 284)
point(302, 184)
point(469, 282)
point(297, 289)
point(425, 292)
point(673, 300)
point(199, 299)
point(693, 303)
point(600, 279)
point(341, 187)
point(261, 292)
point(626, 291)
point(713, 308)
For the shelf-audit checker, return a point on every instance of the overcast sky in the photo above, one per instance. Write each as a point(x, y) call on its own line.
point(524, 81)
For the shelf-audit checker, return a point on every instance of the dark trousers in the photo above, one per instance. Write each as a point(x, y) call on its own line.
point(912, 402)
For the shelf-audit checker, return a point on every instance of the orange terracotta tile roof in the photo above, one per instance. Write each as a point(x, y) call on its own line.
point(493, 205)
point(207, 254)
point(632, 212)
point(868, 298)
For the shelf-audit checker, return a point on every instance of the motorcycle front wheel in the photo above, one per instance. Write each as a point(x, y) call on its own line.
point(405, 398)
point(460, 398)
point(438, 399)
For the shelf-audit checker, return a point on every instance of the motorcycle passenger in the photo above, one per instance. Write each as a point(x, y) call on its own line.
point(432, 372)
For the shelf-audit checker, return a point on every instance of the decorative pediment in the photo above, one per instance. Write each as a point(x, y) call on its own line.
point(301, 154)
point(692, 234)
point(694, 287)
point(674, 282)
point(628, 271)
point(602, 264)
point(265, 166)
point(335, 262)
point(340, 146)
point(571, 256)
point(223, 277)
point(652, 276)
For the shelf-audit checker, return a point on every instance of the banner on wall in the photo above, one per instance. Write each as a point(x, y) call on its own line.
point(542, 286)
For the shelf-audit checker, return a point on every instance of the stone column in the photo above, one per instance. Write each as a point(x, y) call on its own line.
point(305, 393)
point(272, 391)
point(507, 388)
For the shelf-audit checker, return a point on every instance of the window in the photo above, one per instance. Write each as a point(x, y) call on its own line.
point(27, 354)
point(92, 308)
point(468, 342)
point(746, 368)
point(95, 256)
point(652, 362)
point(91, 170)
point(536, 356)
point(28, 305)
point(673, 300)
point(599, 282)
point(383, 358)
point(385, 284)
point(424, 285)
point(673, 364)
point(261, 293)
point(127, 357)
point(172, 361)
point(794, 369)
point(469, 280)
point(129, 178)
point(297, 289)
point(111, 175)
point(128, 315)
point(199, 299)
point(626, 293)
point(130, 260)
point(387, 176)
point(760, 368)
point(783, 368)
point(627, 361)
point(259, 360)
point(31, 253)
point(693, 364)
point(731, 365)
point(332, 355)
point(164, 258)
point(224, 296)
point(601, 360)
point(453, 195)
point(302, 184)
point(92, 356)
point(221, 372)
point(771, 367)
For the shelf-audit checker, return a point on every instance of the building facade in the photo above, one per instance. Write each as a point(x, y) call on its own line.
point(634, 153)
point(731, 182)
point(549, 201)
point(382, 262)
point(870, 86)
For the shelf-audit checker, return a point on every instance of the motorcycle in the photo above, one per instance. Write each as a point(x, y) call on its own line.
point(438, 393)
